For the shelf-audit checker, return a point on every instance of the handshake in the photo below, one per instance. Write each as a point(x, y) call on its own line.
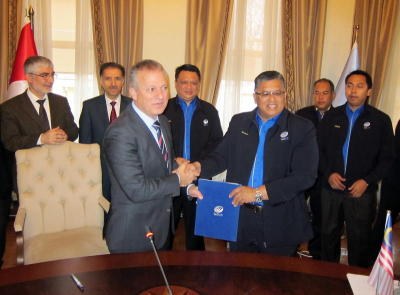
point(187, 172)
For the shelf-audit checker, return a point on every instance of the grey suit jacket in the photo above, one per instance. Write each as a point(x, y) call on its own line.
point(20, 122)
point(93, 123)
point(142, 186)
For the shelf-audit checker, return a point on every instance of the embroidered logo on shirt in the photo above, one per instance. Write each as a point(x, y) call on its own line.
point(218, 210)
point(367, 125)
point(284, 135)
point(205, 122)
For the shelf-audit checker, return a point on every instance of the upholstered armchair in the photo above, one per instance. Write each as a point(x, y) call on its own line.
point(59, 215)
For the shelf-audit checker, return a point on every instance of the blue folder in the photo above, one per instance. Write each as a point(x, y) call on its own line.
point(216, 217)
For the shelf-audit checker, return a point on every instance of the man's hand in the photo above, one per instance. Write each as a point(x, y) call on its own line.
point(181, 161)
point(358, 188)
point(194, 192)
point(187, 174)
point(336, 181)
point(53, 136)
point(197, 167)
point(245, 194)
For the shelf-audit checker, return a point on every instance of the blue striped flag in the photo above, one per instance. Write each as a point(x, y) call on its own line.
point(381, 276)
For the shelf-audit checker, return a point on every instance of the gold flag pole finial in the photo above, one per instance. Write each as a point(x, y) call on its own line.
point(30, 14)
point(356, 33)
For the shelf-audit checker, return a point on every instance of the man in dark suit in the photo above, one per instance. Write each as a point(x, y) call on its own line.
point(273, 154)
point(323, 95)
point(140, 158)
point(356, 151)
point(6, 159)
point(98, 112)
point(196, 131)
point(37, 116)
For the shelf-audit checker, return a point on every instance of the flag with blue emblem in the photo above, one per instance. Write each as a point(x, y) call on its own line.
point(381, 276)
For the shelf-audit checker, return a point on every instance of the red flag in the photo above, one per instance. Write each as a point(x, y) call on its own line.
point(26, 48)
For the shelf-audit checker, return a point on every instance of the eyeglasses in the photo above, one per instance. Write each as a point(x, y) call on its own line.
point(45, 75)
point(266, 94)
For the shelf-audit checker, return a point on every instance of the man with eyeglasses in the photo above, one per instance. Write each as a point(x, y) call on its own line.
point(37, 116)
point(323, 95)
point(196, 131)
point(100, 111)
point(273, 154)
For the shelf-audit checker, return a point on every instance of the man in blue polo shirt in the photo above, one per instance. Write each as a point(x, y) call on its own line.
point(356, 149)
point(196, 131)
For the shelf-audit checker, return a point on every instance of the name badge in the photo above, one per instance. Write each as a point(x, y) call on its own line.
point(284, 135)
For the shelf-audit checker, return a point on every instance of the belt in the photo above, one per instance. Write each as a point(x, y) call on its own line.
point(254, 208)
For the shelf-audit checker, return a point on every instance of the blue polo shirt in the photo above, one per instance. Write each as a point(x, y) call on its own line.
point(188, 111)
point(352, 116)
point(257, 172)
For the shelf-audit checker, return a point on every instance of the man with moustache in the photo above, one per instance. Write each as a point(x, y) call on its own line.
point(273, 154)
point(98, 112)
point(323, 95)
point(37, 116)
point(144, 175)
point(356, 150)
point(196, 131)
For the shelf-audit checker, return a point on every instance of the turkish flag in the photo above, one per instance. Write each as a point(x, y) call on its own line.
point(26, 48)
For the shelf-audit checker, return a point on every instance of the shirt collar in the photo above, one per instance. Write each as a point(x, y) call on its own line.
point(117, 100)
point(193, 103)
point(271, 121)
point(149, 121)
point(33, 97)
point(357, 112)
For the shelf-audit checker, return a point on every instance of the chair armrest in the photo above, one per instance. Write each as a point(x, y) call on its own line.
point(20, 220)
point(104, 203)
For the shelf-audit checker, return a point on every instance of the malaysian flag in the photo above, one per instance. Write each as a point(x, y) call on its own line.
point(381, 276)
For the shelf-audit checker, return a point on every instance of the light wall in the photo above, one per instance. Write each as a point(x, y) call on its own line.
point(164, 34)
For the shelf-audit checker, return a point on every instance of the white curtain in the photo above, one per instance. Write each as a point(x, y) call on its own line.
point(85, 67)
point(390, 95)
point(255, 45)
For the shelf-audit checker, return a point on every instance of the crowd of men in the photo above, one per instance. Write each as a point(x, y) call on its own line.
point(154, 148)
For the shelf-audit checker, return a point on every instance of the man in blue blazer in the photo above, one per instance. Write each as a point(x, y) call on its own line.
point(143, 172)
point(98, 112)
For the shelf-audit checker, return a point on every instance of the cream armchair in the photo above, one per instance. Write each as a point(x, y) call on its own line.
point(59, 215)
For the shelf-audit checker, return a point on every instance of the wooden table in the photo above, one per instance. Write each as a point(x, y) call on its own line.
point(203, 272)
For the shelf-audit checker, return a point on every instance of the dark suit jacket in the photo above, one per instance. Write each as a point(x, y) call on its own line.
point(311, 114)
point(142, 186)
point(21, 126)
point(205, 129)
point(290, 167)
point(93, 123)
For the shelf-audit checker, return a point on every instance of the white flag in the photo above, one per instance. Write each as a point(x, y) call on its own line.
point(352, 64)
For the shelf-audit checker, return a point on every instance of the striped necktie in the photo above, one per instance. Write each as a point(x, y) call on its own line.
point(160, 141)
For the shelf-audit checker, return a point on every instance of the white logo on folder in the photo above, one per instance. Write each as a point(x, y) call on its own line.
point(218, 210)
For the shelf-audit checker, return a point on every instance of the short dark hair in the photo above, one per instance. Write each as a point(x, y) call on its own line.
point(367, 76)
point(107, 65)
point(331, 86)
point(146, 64)
point(188, 68)
point(267, 76)
point(31, 63)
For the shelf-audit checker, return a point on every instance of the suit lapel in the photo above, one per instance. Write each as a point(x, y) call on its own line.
point(167, 138)
point(30, 110)
point(102, 108)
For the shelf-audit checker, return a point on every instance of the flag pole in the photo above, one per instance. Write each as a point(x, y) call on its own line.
point(356, 33)
point(29, 14)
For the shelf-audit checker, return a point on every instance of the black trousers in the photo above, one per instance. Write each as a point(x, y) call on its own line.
point(390, 200)
point(314, 245)
point(5, 203)
point(358, 213)
point(182, 204)
point(251, 236)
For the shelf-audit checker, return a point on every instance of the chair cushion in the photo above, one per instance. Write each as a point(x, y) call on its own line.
point(80, 242)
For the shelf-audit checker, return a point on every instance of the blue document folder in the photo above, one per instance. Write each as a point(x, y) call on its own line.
point(216, 217)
